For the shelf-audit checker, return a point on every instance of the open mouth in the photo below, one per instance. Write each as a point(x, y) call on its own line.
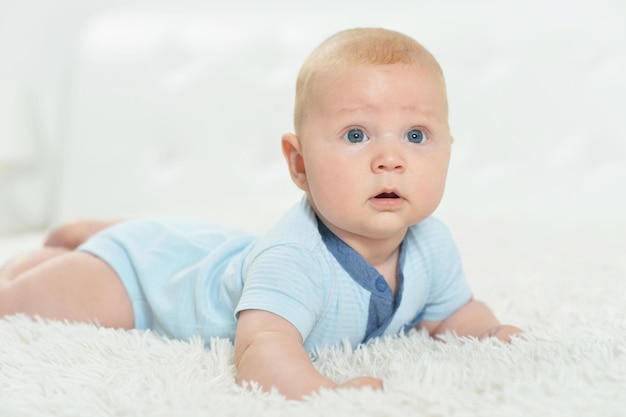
point(387, 195)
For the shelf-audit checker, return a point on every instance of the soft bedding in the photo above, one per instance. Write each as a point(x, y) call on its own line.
point(564, 285)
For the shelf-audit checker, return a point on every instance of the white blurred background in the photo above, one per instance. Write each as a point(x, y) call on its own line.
point(127, 108)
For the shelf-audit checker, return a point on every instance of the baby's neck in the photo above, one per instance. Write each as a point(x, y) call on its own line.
point(377, 251)
point(383, 255)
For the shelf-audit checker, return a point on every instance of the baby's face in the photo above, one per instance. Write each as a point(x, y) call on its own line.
point(376, 147)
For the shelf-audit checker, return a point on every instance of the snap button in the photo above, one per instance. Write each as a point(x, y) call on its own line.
point(381, 284)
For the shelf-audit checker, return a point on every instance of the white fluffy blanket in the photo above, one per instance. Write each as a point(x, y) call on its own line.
point(565, 286)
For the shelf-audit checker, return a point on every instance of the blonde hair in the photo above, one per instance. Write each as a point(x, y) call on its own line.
point(357, 47)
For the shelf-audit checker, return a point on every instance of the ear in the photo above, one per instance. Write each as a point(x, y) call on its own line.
point(292, 151)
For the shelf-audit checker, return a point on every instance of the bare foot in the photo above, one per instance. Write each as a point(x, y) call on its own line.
point(72, 234)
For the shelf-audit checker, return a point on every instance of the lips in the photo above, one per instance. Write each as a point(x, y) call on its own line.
point(387, 195)
point(387, 200)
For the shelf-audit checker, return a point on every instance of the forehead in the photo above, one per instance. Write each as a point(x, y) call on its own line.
point(379, 85)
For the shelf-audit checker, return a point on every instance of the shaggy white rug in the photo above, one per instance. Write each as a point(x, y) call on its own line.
point(564, 285)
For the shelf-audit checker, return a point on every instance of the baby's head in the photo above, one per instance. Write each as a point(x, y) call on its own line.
point(357, 47)
point(372, 142)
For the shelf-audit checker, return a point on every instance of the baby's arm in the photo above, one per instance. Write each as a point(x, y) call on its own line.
point(473, 319)
point(269, 351)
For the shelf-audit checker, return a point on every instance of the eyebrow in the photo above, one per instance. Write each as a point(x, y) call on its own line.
point(431, 114)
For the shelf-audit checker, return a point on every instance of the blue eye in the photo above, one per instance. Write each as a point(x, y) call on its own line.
point(415, 136)
point(356, 136)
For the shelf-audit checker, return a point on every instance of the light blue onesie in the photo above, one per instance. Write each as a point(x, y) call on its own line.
point(189, 277)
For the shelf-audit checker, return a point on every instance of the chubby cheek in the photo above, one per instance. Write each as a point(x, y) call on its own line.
point(433, 185)
point(428, 176)
point(435, 195)
point(331, 188)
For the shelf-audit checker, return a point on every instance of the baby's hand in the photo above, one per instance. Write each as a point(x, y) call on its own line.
point(362, 382)
point(502, 332)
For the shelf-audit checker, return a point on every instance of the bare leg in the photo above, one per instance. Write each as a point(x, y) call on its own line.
point(22, 263)
point(59, 241)
point(73, 286)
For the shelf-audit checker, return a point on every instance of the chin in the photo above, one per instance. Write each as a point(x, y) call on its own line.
point(387, 230)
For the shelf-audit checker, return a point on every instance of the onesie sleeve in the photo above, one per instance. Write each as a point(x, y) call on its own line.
point(285, 281)
point(449, 288)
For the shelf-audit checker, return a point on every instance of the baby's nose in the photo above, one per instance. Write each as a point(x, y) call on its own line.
point(389, 160)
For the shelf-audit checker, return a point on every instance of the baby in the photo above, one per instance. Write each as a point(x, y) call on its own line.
point(358, 257)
